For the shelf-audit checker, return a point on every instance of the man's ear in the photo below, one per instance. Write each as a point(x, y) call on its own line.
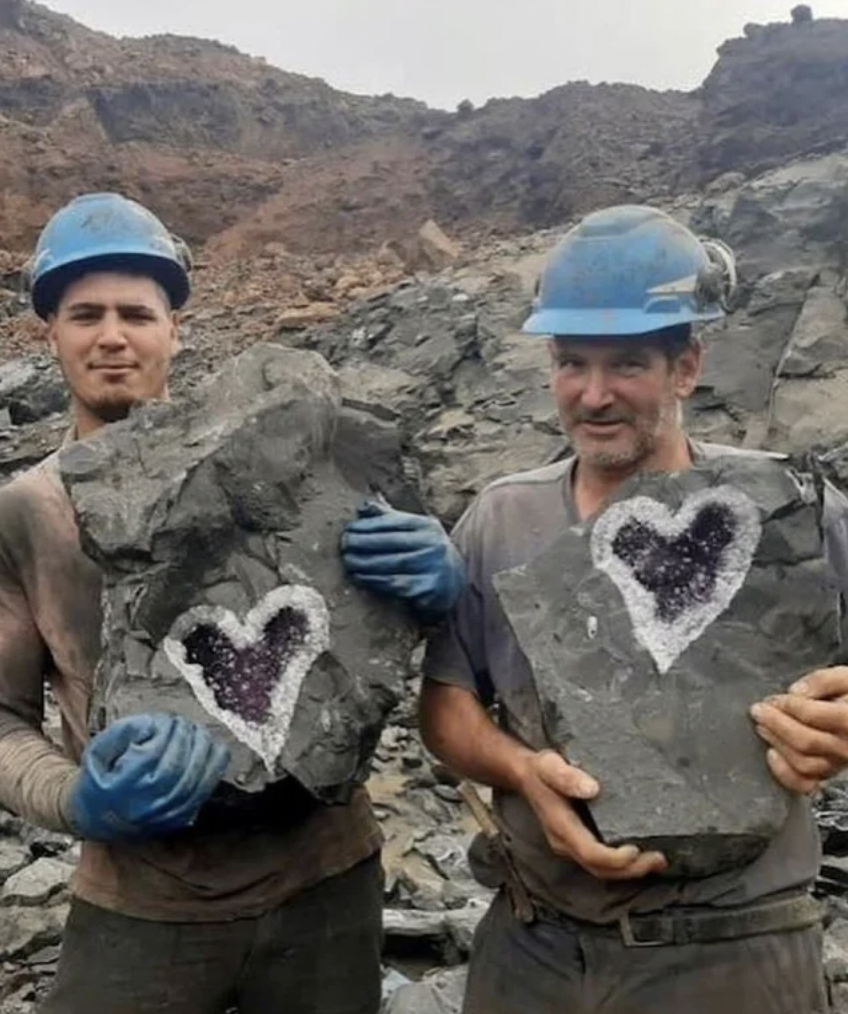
point(687, 370)
point(552, 363)
point(50, 335)
point(176, 320)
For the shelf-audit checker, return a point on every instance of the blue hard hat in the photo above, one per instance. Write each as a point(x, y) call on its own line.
point(105, 232)
point(631, 270)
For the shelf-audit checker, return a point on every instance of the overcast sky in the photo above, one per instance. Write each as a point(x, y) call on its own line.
point(443, 51)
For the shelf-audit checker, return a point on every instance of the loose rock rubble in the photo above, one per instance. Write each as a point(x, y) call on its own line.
point(35, 870)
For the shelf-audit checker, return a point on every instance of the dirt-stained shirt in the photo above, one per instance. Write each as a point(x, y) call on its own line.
point(50, 633)
point(510, 524)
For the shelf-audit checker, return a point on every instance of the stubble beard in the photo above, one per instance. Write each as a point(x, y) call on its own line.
point(109, 412)
point(646, 437)
point(115, 404)
point(111, 408)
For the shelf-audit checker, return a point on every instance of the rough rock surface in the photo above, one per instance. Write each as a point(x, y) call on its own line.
point(164, 117)
point(36, 884)
point(440, 993)
point(217, 524)
point(691, 597)
point(773, 95)
point(445, 359)
point(775, 373)
point(223, 144)
point(35, 868)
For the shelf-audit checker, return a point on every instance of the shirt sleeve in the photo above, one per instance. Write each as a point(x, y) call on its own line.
point(35, 776)
point(456, 653)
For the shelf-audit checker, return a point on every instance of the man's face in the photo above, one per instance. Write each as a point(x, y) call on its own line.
point(618, 399)
point(114, 336)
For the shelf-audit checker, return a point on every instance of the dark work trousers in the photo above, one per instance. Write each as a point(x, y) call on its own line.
point(317, 954)
point(554, 968)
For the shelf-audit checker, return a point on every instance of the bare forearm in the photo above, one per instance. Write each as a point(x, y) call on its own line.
point(458, 730)
point(35, 778)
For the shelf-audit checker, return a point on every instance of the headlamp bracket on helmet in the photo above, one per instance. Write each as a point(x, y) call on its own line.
point(718, 281)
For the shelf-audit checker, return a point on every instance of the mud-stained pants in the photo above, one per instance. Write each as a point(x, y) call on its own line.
point(318, 954)
point(555, 968)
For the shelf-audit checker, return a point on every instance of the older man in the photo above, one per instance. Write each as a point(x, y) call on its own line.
point(619, 299)
point(175, 909)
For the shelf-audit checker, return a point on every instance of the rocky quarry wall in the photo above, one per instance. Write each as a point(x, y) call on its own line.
point(234, 152)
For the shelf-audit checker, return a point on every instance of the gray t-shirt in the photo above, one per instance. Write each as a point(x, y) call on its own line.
point(510, 524)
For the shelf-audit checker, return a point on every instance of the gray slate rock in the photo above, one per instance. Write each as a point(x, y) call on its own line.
point(31, 389)
point(470, 392)
point(410, 923)
point(36, 884)
point(24, 930)
point(743, 354)
point(217, 525)
point(440, 993)
point(819, 342)
point(453, 926)
point(680, 611)
point(20, 1001)
point(13, 857)
point(836, 951)
point(839, 998)
point(393, 980)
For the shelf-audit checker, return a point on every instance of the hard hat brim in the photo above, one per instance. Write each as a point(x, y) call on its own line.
point(47, 291)
point(611, 323)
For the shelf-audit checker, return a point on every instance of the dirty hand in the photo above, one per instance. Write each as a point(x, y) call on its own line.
point(807, 730)
point(548, 783)
point(406, 556)
point(144, 776)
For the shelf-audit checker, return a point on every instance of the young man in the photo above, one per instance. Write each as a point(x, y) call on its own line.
point(174, 909)
point(620, 295)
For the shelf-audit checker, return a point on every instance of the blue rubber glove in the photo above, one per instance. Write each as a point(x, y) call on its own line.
point(143, 777)
point(406, 556)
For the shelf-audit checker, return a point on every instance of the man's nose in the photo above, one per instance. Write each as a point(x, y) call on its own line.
point(111, 331)
point(596, 392)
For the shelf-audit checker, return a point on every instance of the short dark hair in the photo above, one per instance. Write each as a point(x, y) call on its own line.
point(163, 293)
point(674, 341)
point(671, 341)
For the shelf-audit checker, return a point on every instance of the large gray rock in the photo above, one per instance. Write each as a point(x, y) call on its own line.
point(217, 525)
point(742, 356)
point(818, 345)
point(791, 217)
point(453, 927)
point(775, 373)
point(439, 993)
point(444, 358)
point(688, 599)
point(836, 951)
point(36, 884)
point(13, 857)
point(774, 94)
point(32, 388)
point(24, 930)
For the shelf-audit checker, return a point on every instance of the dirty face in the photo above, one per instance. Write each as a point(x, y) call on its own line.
point(114, 336)
point(619, 399)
